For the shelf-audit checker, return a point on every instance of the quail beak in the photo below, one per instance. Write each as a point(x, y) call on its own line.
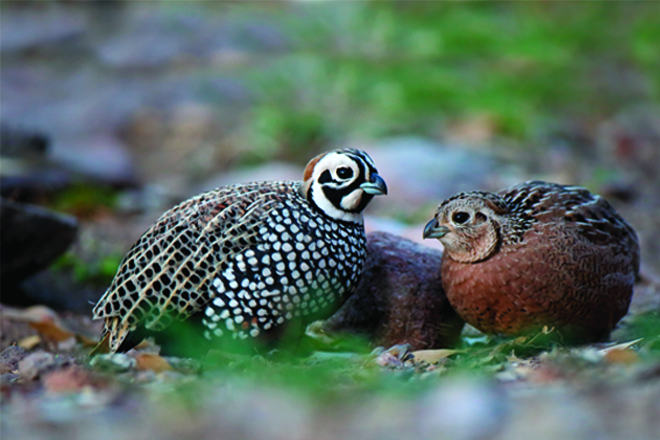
point(433, 230)
point(376, 187)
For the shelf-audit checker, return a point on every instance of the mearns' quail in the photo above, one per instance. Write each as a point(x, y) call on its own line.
point(246, 261)
point(537, 254)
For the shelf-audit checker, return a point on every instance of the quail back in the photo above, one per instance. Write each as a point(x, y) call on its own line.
point(247, 260)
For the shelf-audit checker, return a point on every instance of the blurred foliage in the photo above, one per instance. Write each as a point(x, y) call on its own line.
point(100, 271)
point(488, 353)
point(325, 376)
point(85, 200)
point(371, 69)
point(647, 327)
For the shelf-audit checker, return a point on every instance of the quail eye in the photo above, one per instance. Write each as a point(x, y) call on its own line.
point(344, 173)
point(460, 217)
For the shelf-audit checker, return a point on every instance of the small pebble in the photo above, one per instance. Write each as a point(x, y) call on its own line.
point(7, 379)
point(36, 364)
point(67, 380)
point(184, 365)
point(114, 363)
point(394, 357)
point(10, 357)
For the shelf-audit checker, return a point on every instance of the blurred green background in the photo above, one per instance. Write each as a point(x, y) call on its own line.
point(288, 79)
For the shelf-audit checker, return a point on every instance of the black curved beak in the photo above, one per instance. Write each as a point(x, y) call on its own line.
point(375, 187)
point(433, 230)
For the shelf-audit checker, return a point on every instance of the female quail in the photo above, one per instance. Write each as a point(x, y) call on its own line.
point(249, 259)
point(536, 254)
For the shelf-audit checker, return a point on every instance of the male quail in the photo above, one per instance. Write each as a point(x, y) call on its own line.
point(247, 260)
point(536, 254)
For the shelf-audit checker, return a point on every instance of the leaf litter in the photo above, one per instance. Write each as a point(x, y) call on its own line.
point(51, 361)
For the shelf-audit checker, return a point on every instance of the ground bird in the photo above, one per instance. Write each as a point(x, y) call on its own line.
point(247, 261)
point(537, 254)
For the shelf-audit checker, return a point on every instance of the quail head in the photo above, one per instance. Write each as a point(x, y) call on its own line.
point(537, 254)
point(247, 261)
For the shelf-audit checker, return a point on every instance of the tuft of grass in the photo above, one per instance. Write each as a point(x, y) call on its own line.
point(645, 326)
point(84, 200)
point(98, 272)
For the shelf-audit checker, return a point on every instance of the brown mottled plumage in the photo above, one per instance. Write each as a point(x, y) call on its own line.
point(537, 254)
point(246, 260)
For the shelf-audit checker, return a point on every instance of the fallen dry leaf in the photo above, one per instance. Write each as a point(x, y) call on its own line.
point(29, 342)
point(621, 346)
point(68, 380)
point(52, 331)
point(42, 319)
point(622, 356)
point(620, 353)
point(102, 347)
point(153, 362)
point(46, 322)
point(85, 341)
point(545, 374)
point(432, 356)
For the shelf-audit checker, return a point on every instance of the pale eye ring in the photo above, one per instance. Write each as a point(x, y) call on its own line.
point(344, 173)
point(460, 217)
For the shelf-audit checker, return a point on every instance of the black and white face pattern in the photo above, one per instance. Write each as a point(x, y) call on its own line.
point(341, 184)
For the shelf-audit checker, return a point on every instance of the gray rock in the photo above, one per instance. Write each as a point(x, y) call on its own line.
point(115, 363)
point(463, 410)
point(10, 357)
point(400, 297)
point(101, 157)
point(149, 37)
point(184, 365)
point(145, 37)
point(19, 142)
point(26, 28)
point(31, 238)
point(36, 364)
point(59, 290)
point(136, 49)
point(418, 171)
point(7, 379)
point(26, 174)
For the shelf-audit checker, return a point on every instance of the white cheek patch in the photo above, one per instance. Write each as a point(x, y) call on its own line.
point(324, 205)
point(351, 201)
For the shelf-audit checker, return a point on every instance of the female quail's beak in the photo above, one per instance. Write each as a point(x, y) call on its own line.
point(376, 187)
point(433, 230)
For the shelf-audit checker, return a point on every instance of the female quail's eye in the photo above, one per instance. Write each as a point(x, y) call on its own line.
point(344, 173)
point(460, 217)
